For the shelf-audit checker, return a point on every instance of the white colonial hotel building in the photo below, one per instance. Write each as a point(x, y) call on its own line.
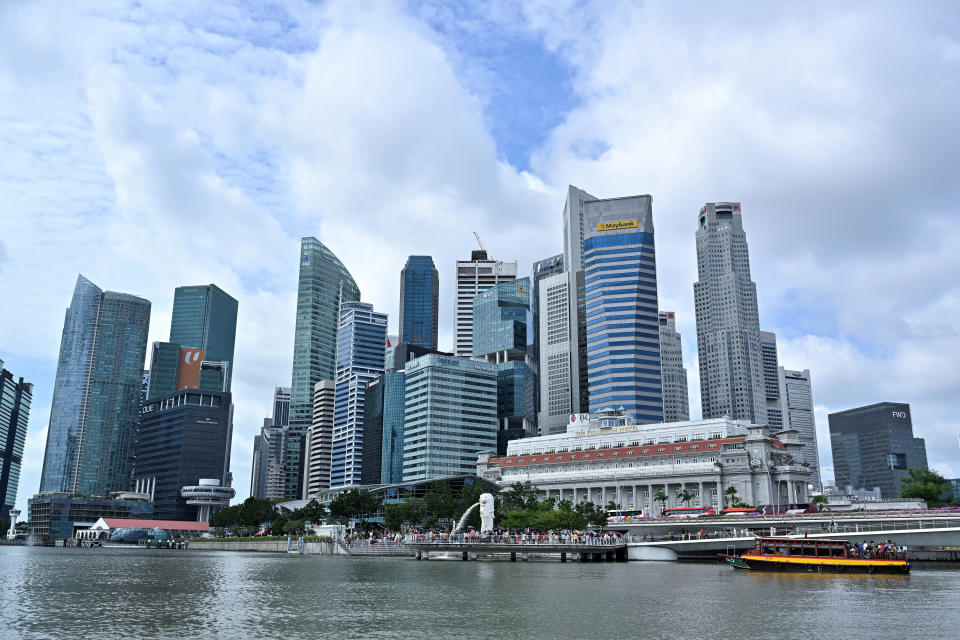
point(607, 456)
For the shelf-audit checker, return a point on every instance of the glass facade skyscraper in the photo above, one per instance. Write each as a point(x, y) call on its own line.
point(501, 335)
point(383, 430)
point(361, 341)
point(621, 315)
point(96, 395)
point(15, 400)
point(450, 415)
point(324, 283)
point(419, 302)
point(873, 446)
point(182, 437)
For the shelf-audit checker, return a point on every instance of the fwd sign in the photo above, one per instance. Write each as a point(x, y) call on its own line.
point(899, 414)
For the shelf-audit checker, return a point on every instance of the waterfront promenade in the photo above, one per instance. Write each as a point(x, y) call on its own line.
point(586, 547)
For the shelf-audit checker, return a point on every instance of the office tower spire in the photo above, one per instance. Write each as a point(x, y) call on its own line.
point(96, 395)
point(419, 302)
point(728, 326)
point(324, 284)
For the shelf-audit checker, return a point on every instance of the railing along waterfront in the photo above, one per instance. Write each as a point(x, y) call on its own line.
point(531, 539)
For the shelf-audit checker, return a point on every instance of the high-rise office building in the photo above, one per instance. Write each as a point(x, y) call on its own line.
point(542, 269)
point(383, 430)
point(258, 468)
point(203, 333)
point(96, 395)
point(475, 276)
point(281, 406)
point(874, 446)
point(361, 338)
point(323, 285)
point(728, 325)
point(501, 317)
point(319, 441)
point(676, 404)
point(621, 314)
point(573, 235)
point(557, 355)
point(15, 400)
point(796, 400)
point(419, 302)
point(450, 415)
point(268, 479)
point(183, 437)
point(771, 379)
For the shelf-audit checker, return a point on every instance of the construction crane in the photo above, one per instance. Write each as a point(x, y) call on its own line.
point(477, 236)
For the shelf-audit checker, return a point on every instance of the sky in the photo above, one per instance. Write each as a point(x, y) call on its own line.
point(154, 145)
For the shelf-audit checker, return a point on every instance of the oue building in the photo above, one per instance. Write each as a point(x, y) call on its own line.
point(608, 456)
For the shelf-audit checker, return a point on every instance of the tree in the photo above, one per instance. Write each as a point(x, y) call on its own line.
point(294, 527)
point(684, 496)
point(661, 497)
point(353, 504)
point(821, 502)
point(929, 485)
point(410, 512)
point(278, 526)
point(731, 493)
point(521, 496)
point(255, 511)
point(313, 512)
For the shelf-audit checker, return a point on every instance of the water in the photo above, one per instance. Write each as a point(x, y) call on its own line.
point(69, 593)
point(463, 518)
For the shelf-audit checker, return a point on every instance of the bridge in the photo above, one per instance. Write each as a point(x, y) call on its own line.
point(614, 551)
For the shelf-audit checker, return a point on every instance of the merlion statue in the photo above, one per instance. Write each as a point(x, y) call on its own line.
point(486, 512)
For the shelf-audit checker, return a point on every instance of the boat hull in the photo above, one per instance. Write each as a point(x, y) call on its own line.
point(825, 565)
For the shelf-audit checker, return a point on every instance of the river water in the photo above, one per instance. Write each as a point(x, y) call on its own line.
point(105, 593)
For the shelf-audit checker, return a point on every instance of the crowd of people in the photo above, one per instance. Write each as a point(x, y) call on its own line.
point(527, 536)
point(878, 551)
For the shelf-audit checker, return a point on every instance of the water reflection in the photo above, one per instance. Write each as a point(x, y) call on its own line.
point(147, 594)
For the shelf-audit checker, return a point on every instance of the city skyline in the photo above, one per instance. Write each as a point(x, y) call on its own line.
point(854, 294)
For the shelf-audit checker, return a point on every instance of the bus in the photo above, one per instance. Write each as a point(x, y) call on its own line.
point(739, 511)
point(622, 516)
point(790, 509)
point(687, 512)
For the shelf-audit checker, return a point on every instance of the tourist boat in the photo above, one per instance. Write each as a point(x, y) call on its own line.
point(818, 556)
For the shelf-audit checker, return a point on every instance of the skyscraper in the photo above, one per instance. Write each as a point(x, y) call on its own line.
point(796, 400)
point(541, 269)
point(15, 400)
point(771, 379)
point(96, 395)
point(419, 302)
point(676, 405)
point(573, 234)
point(474, 276)
point(501, 316)
point(182, 438)
point(622, 320)
point(873, 446)
point(728, 325)
point(203, 330)
point(324, 284)
point(319, 440)
point(360, 358)
point(450, 415)
point(557, 354)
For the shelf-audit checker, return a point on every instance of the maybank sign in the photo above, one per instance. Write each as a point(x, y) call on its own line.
point(619, 224)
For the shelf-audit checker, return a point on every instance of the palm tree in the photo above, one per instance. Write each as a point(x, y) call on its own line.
point(661, 497)
point(730, 492)
point(684, 496)
point(821, 502)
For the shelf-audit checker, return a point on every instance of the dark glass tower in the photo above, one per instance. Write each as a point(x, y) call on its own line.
point(205, 317)
point(419, 302)
point(324, 284)
point(96, 396)
point(873, 446)
point(15, 399)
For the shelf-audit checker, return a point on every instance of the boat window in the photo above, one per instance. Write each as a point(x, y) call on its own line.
point(796, 551)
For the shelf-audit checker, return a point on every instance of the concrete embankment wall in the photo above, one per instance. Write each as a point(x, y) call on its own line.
point(269, 546)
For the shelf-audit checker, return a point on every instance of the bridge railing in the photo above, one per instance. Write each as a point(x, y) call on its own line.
point(839, 528)
point(577, 541)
